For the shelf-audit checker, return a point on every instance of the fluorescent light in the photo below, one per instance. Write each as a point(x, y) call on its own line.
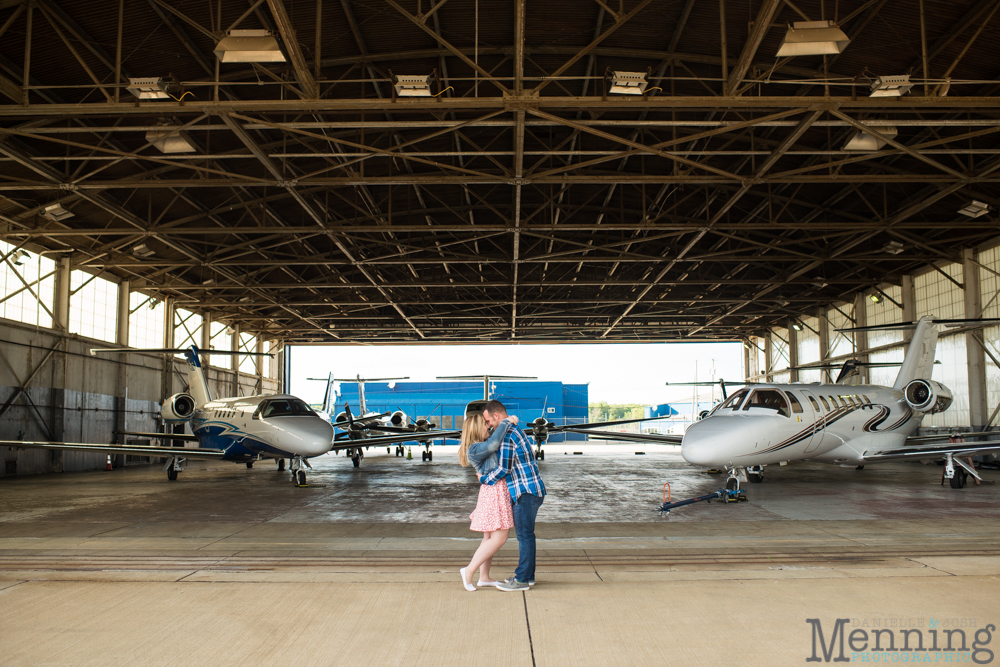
point(893, 247)
point(148, 89)
point(891, 86)
point(974, 209)
point(862, 141)
point(170, 141)
point(628, 83)
point(813, 38)
point(875, 297)
point(413, 86)
point(249, 46)
point(57, 213)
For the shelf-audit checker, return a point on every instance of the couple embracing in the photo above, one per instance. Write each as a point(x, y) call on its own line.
point(510, 494)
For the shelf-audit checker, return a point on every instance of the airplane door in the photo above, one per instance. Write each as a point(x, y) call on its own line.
point(812, 412)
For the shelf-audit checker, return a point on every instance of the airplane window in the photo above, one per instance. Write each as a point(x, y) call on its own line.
point(867, 400)
point(826, 405)
point(770, 399)
point(834, 403)
point(735, 400)
point(814, 403)
point(794, 401)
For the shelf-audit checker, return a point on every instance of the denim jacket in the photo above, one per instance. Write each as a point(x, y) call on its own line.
point(483, 455)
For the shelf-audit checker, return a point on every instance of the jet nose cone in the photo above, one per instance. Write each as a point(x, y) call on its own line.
point(701, 444)
point(317, 437)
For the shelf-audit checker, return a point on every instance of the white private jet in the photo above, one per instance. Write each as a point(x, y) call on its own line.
point(241, 429)
point(850, 425)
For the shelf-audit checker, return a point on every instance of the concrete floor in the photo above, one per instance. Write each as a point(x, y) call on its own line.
point(234, 566)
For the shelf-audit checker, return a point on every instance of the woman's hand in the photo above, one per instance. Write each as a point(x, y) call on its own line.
point(512, 419)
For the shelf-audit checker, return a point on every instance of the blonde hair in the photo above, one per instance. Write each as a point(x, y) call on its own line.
point(473, 430)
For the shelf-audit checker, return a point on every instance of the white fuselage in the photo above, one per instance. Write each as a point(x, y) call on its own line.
point(825, 422)
point(261, 426)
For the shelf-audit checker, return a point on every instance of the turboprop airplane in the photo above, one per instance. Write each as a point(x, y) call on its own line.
point(241, 429)
point(849, 425)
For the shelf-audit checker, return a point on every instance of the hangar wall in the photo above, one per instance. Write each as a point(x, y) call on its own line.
point(969, 360)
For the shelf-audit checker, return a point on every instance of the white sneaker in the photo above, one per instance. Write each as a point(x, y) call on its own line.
point(468, 587)
point(483, 584)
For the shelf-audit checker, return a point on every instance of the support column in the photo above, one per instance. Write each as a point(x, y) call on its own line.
point(747, 371)
point(235, 345)
point(768, 353)
point(861, 337)
point(975, 356)
point(909, 299)
point(824, 342)
point(259, 365)
point(793, 352)
point(167, 381)
point(121, 337)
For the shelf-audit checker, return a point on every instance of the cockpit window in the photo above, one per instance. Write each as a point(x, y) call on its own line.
point(796, 408)
point(285, 407)
point(735, 400)
point(770, 399)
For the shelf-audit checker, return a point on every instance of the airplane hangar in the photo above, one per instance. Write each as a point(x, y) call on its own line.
point(248, 175)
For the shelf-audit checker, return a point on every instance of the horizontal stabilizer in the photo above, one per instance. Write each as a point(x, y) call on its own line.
point(135, 450)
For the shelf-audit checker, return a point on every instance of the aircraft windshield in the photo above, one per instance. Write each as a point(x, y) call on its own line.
point(735, 400)
point(770, 399)
point(286, 407)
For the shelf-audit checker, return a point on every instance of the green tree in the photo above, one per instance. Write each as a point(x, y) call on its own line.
point(605, 412)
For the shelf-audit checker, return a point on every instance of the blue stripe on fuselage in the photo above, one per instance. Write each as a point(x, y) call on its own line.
point(237, 445)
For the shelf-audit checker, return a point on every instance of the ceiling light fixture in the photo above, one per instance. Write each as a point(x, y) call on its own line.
point(813, 38)
point(57, 213)
point(875, 297)
point(893, 247)
point(408, 85)
point(142, 250)
point(797, 326)
point(171, 141)
point(627, 83)
point(974, 209)
point(862, 141)
point(249, 46)
point(19, 257)
point(891, 86)
point(152, 88)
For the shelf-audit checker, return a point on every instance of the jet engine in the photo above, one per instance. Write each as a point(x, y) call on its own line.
point(398, 418)
point(927, 396)
point(341, 417)
point(540, 430)
point(178, 408)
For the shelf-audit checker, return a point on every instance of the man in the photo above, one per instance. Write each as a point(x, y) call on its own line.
point(517, 464)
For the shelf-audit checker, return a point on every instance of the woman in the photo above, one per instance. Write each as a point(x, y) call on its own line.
point(493, 515)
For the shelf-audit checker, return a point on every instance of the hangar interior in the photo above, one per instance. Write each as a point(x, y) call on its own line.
point(482, 171)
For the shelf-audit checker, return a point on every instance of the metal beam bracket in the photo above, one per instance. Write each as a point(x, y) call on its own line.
point(288, 184)
point(72, 187)
point(521, 102)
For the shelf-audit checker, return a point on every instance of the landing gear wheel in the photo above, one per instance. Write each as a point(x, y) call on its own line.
point(958, 480)
point(423, 456)
point(732, 484)
point(171, 474)
point(430, 456)
point(302, 477)
point(249, 464)
point(541, 455)
point(755, 477)
point(356, 460)
point(281, 465)
point(860, 468)
point(386, 450)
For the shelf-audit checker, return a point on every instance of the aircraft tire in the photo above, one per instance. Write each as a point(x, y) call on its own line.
point(172, 474)
point(423, 456)
point(302, 478)
point(755, 478)
point(356, 461)
point(430, 456)
point(281, 465)
point(732, 484)
point(541, 454)
point(958, 481)
point(249, 464)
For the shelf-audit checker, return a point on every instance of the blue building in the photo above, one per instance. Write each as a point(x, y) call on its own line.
point(443, 402)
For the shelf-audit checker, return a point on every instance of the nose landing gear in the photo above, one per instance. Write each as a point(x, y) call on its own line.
point(298, 472)
point(755, 474)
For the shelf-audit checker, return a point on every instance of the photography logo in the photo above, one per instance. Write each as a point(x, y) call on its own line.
point(901, 640)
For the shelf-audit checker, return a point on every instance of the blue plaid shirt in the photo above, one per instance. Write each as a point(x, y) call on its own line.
point(517, 464)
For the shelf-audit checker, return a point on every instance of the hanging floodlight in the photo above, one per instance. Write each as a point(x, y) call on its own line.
point(413, 86)
point(142, 250)
point(862, 141)
point(148, 89)
point(171, 141)
point(875, 297)
point(797, 326)
point(813, 38)
point(974, 209)
point(628, 83)
point(893, 247)
point(891, 86)
point(18, 257)
point(249, 46)
point(56, 213)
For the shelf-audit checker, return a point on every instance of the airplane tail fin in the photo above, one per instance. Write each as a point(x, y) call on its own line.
point(918, 364)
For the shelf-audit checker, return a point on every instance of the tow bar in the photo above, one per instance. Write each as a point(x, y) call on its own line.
point(723, 495)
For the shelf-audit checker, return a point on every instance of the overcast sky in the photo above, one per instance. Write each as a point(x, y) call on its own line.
point(616, 373)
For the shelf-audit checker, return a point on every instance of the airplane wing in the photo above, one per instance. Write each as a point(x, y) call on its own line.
point(933, 451)
point(136, 450)
point(395, 439)
point(168, 436)
point(632, 437)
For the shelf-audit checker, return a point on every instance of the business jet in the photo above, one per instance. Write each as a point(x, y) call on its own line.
point(241, 429)
point(840, 423)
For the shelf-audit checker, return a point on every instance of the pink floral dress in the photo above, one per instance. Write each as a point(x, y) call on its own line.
point(493, 511)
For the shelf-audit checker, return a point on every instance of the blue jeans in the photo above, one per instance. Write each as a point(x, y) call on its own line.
point(525, 510)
